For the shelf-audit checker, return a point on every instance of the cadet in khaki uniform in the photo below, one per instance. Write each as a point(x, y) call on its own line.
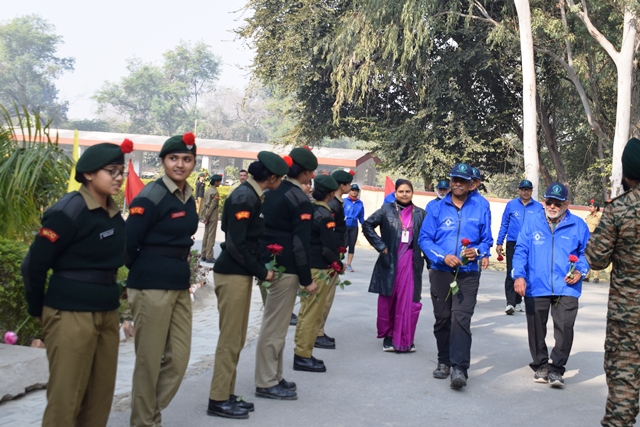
point(209, 215)
point(616, 240)
point(199, 191)
point(239, 262)
point(323, 254)
point(82, 239)
point(161, 221)
point(288, 217)
point(336, 204)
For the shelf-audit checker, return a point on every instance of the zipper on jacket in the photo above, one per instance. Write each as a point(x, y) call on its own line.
point(553, 236)
point(459, 225)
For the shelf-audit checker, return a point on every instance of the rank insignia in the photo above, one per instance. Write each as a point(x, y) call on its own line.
point(137, 210)
point(305, 217)
point(49, 234)
point(178, 214)
point(331, 224)
point(243, 215)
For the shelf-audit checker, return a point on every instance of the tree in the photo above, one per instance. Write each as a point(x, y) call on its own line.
point(162, 100)
point(29, 66)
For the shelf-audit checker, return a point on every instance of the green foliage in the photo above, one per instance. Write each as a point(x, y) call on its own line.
point(29, 66)
point(13, 310)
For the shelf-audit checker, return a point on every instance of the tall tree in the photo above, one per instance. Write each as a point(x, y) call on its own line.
point(163, 100)
point(29, 66)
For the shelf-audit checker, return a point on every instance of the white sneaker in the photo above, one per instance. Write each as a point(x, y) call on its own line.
point(510, 309)
point(520, 307)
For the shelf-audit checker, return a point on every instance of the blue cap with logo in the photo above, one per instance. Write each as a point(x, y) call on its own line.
point(475, 173)
point(556, 191)
point(461, 170)
point(525, 183)
point(354, 187)
point(443, 184)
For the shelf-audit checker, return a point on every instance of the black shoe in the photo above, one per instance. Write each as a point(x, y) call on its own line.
point(294, 320)
point(458, 379)
point(442, 371)
point(555, 379)
point(586, 279)
point(595, 280)
point(329, 338)
point(210, 260)
point(288, 385)
point(276, 392)
point(324, 342)
point(308, 364)
point(387, 344)
point(243, 403)
point(542, 374)
point(227, 409)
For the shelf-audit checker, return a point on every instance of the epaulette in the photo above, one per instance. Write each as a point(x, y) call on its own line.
point(71, 204)
point(296, 197)
point(244, 195)
point(608, 202)
point(154, 192)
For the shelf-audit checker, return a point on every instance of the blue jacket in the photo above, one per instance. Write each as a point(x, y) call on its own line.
point(431, 204)
point(445, 226)
point(542, 257)
point(389, 198)
point(513, 217)
point(353, 212)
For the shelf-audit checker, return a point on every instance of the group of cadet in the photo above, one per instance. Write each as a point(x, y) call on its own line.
point(266, 218)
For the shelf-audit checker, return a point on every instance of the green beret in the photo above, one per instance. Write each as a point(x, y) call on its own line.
point(274, 163)
point(342, 177)
point(631, 160)
point(100, 155)
point(325, 182)
point(179, 144)
point(305, 158)
point(215, 178)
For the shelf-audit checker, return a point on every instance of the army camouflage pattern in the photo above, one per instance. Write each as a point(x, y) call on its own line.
point(622, 366)
point(617, 240)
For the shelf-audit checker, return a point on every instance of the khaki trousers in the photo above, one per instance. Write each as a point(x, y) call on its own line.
point(82, 348)
point(311, 312)
point(162, 319)
point(331, 293)
point(273, 332)
point(234, 300)
point(209, 239)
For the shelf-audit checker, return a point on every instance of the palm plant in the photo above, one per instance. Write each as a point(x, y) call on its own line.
point(34, 171)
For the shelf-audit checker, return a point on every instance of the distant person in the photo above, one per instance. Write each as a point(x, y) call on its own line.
point(592, 222)
point(200, 184)
point(242, 177)
point(209, 216)
point(353, 213)
point(476, 186)
point(82, 240)
point(391, 197)
point(516, 211)
point(616, 241)
point(397, 275)
point(442, 189)
point(454, 236)
point(548, 266)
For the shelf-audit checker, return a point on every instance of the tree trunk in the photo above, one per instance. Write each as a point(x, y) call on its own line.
point(530, 143)
point(550, 141)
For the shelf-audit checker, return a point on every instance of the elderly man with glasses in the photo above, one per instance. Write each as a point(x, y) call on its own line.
point(548, 268)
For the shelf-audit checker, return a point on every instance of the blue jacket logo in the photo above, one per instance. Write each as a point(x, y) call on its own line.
point(538, 238)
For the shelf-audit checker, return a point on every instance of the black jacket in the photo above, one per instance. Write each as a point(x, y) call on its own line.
point(384, 272)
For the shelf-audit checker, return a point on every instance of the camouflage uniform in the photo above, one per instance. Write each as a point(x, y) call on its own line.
point(617, 240)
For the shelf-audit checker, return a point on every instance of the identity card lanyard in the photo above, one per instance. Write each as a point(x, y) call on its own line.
point(405, 229)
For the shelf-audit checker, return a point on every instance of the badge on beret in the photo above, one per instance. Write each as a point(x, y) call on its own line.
point(305, 217)
point(138, 210)
point(49, 234)
point(178, 214)
point(331, 224)
point(243, 215)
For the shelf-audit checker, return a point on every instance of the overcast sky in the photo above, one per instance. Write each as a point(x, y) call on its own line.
point(102, 35)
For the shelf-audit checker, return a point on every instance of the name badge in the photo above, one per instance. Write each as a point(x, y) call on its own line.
point(178, 214)
point(107, 233)
point(405, 236)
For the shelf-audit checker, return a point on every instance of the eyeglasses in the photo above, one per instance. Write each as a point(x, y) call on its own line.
point(115, 173)
point(528, 190)
point(557, 204)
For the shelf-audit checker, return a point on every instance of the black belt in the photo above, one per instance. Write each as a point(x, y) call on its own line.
point(99, 277)
point(178, 252)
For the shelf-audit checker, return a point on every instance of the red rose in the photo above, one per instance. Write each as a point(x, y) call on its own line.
point(342, 250)
point(336, 266)
point(500, 257)
point(465, 242)
point(126, 146)
point(275, 249)
point(573, 258)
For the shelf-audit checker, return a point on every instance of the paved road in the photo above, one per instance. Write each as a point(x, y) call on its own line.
point(364, 386)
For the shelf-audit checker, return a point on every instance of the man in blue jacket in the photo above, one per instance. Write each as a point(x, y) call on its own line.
point(353, 213)
point(548, 267)
point(442, 189)
point(458, 217)
point(513, 217)
point(476, 182)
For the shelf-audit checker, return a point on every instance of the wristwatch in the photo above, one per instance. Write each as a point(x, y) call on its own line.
point(477, 252)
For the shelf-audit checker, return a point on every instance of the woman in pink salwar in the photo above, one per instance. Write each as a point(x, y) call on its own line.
point(397, 275)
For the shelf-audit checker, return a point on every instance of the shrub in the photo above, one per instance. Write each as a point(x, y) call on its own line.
point(13, 310)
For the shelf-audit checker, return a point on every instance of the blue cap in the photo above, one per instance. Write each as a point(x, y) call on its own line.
point(525, 183)
point(475, 173)
point(556, 191)
point(444, 184)
point(354, 187)
point(461, 170)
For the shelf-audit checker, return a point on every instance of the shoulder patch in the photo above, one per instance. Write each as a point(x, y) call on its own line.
point(48, 234)
point(154, 192)
point(305, 217)
point(136, 210)
point(331, 224)
point(243, 215)
point(71, 204)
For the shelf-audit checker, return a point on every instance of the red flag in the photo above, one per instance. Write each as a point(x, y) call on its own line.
point(134, 184)
point(389, 186)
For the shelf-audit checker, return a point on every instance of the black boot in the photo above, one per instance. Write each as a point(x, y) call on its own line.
point(227, 409)
point(308, 364)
